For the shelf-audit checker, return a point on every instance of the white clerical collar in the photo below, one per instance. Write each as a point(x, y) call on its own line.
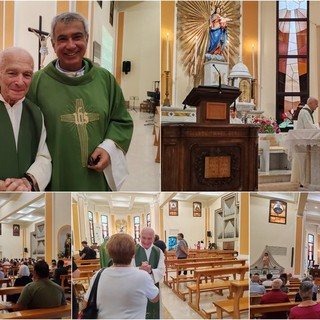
point(71, 74)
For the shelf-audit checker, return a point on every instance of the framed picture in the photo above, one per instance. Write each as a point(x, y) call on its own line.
point(197, 209)
point(16, 230)
point(173, 208)
point(111, 12)
point(278, 212)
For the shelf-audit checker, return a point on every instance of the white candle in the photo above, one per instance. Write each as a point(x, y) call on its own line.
point(195, 56)
point(167, 69)
point(253, 61)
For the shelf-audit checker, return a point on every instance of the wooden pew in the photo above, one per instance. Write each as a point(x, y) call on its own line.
point(255, 299)
point(10, 290)
point(7, 281)
point(89, 261)
point(89, 267)
point(170, 265)
point(43, 313)
point(274, 307)
point(199, 287)
point(196, 266)
point(236, 302)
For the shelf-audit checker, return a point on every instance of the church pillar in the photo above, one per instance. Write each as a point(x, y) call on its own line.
point(119, 44)
point(250, 41)
point(7, 24)
point(48, 226)
point(318, 248)
point(143, 220)
point(298, 260)
point(207, 225)
point(129, 225)
point(161, 227)
point(112, 224)
point(24, 242)
point(155, 219)
point(244, 223)
point(76, 228)
point(167, 26)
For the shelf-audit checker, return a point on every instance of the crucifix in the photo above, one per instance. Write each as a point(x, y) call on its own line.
point(43, 45)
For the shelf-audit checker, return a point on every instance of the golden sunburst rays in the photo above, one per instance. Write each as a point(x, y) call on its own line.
point(193, 23)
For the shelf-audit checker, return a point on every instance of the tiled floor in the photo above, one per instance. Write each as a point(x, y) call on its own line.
point(174, 308)
point(144, 171)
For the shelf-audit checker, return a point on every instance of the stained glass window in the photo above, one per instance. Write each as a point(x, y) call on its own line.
point(91, 227)
point(136, 228)
point(292, 55)
point(104, 224)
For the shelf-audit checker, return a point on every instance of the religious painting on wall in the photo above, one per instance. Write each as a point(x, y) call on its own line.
point(173, 208)
point(197, 209)
point(278, 212)
point(111, 12)
point(16, 230)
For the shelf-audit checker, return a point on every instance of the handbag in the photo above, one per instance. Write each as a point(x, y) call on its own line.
point(91, 310)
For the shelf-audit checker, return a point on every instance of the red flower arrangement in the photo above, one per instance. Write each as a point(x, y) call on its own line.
point(267, 125)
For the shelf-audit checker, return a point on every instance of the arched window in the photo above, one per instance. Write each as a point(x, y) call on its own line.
point(292, 55)
point(148, 220)
point(91, 227)
point(104, 224)
point(136, 228)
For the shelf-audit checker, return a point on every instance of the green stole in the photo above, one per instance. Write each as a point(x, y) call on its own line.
point(105, 259)
point(310, 112)
point(17, 160)
point(153, 309)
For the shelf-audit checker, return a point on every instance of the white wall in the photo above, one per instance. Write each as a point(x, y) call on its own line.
point(141, 46)
point(10, 246)
point(263, 233)
point(61, 214)
point(193, 228)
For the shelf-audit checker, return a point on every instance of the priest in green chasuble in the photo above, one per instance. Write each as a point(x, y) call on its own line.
point(150, 259)
point(88, 126)
point(25, 164)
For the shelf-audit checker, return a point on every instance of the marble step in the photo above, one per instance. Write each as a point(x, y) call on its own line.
point(274, 176)
point(279, 186)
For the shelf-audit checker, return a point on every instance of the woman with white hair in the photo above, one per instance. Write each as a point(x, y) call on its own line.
point(23, 279)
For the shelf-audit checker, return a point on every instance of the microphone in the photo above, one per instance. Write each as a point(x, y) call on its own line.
point(219, 77)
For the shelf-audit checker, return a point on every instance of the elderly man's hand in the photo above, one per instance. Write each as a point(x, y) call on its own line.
point(13, 184)
point(100, 160)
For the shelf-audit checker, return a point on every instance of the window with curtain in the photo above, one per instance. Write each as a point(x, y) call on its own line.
point(104, 226)
point(91, 227)
point(136, 228)
point(292, 55)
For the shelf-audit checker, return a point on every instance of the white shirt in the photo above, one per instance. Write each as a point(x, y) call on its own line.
point(41, 168)
point(123, 293)
point(305, 119)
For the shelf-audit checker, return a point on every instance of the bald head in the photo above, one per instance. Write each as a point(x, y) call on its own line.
point(16, 69)
point(14, 53)
point(312, 103)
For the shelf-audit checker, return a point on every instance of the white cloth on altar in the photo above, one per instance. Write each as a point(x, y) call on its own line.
point(299, 144)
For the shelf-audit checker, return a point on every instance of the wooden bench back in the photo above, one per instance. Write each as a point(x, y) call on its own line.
point(10, 290)
point(272, 307)
point(199, 274)
point(89, 261)
point(90, 267)
point(194, 265)
point(44, 313)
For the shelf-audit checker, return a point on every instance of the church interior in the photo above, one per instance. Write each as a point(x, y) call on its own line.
point(207, 220)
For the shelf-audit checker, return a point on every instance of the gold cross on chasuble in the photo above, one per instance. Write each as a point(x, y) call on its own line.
point(81, 118)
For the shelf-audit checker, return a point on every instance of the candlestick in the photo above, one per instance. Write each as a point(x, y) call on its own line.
point(195, 56)
point(166, 102)
point(167, 69)
point(253, 61)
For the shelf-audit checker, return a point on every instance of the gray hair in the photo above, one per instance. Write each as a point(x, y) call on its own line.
point(23, 271)
point(276, 284)
point(67, 18)
point(305, 290)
